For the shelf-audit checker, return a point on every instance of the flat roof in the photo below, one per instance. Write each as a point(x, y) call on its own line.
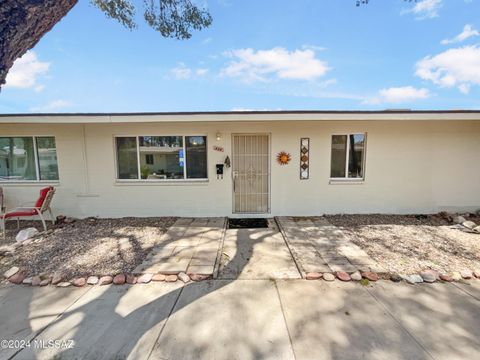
point(226, 116)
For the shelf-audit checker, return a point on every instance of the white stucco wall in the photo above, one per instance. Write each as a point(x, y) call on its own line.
point(411, 167)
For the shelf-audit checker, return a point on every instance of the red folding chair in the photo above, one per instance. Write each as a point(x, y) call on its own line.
point(41, 205)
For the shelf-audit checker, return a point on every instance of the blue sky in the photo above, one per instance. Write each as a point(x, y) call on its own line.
point(259, 55)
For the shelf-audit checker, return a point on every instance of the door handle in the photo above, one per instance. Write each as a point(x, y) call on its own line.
point(235, 176)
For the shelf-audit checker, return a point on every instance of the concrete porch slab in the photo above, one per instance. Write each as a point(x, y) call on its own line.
point(190, 241)
point(256, 254)
point(314, 243)
point(201, 269)
point(204, 257)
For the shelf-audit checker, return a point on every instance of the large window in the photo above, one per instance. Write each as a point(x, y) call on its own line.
point(348, 156)
point(161, 157)
point(28, 158)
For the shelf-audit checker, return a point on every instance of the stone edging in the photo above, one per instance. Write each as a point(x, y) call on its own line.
point(427, 276)
point(17, 276)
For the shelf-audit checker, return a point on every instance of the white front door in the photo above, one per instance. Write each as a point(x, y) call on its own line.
point(251, 173)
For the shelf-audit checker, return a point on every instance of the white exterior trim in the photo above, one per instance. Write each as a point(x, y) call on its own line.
point(247, 116)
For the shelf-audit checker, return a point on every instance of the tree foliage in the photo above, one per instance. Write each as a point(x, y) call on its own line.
point(171, 18)
point(365, 2)
point(24, 22)
point(121, 10)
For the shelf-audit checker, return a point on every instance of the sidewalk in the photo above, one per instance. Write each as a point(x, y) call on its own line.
point(246, 319)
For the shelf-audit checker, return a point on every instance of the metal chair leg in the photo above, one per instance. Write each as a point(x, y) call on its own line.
point(18, 223)
point(43, 221)
point(51, 216)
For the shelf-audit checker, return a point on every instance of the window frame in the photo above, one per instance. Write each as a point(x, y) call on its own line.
point(347, 158)
point(153, 181)
point(37, 161)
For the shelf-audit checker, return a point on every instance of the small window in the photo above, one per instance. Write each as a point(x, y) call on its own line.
point(149, 159)
point(348, 156)
point(28, 158)
point(196, 147)
point(47, 158)
point(127, 164)
point(162, 157)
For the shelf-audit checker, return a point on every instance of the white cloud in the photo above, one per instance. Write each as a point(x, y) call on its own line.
point(425, 9)
point(278, 62)
point(181, 72)
point(52, 106)
point(39, 88)
point(25, 71)
point(398, 95)
point(314, 47)
point(206, 41)
point(458, 67)
point(468, 32)
point(201, 71)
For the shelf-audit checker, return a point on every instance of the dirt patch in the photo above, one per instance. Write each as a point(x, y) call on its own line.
point(407, 244)
point(89, 246)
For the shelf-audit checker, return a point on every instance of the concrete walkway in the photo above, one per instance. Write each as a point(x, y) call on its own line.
point(191, 245)
point(256, 254)
point(257, 309)
point(245, 319)
point(290, 250)
point(319, 246)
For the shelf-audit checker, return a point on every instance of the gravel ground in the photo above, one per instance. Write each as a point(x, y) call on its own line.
point(409, 244)
point(89, 246)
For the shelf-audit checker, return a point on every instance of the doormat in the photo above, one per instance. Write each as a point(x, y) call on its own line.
point(247, 223)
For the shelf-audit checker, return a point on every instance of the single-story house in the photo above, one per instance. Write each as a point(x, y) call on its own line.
point(257, 163)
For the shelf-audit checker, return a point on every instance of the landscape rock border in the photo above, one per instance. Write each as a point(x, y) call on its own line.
point(426, 276)
point(17, 276)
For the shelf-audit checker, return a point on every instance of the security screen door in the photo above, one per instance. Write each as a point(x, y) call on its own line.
point(251, 173)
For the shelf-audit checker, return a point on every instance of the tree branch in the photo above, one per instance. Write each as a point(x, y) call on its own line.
point(22, 25)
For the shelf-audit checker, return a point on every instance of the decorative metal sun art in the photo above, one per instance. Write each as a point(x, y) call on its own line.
point(283, 158)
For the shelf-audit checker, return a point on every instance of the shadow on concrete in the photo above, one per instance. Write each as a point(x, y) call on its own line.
point(95, 341)
point(245, 319)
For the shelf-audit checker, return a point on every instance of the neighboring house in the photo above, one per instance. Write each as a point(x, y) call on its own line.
point(157, 164)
